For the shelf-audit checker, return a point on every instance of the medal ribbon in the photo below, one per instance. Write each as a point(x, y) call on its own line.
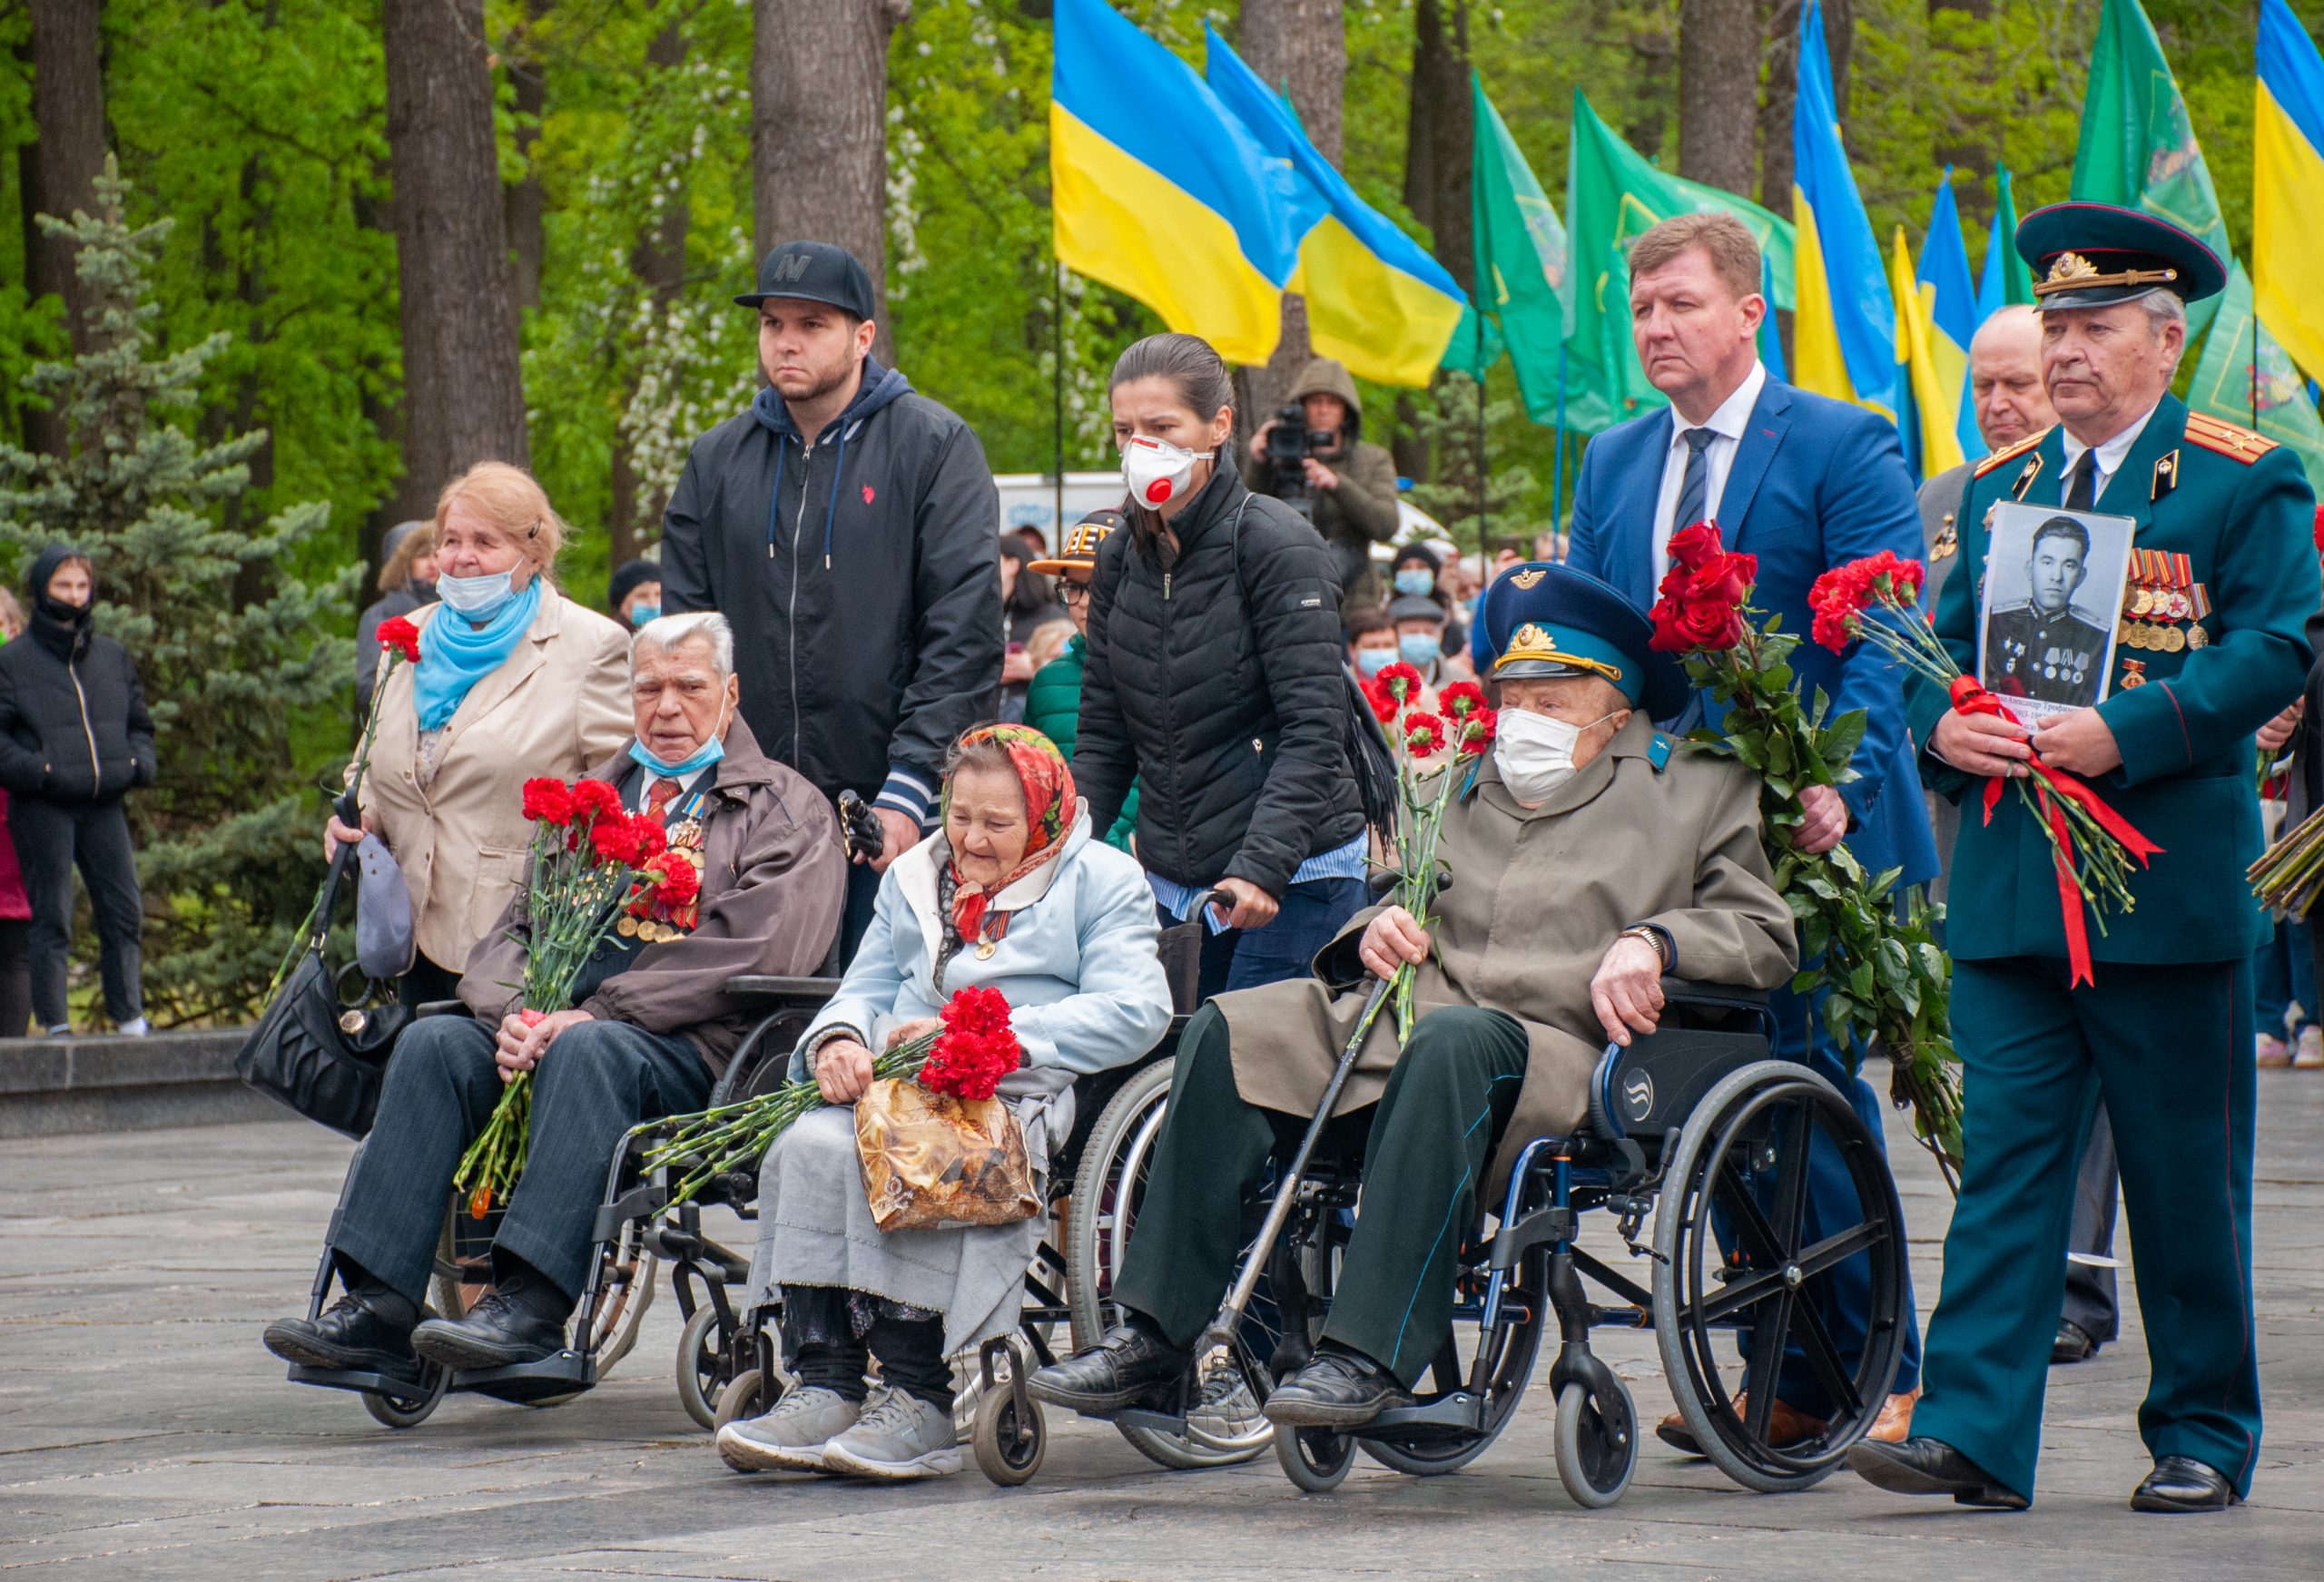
point(2050, 783)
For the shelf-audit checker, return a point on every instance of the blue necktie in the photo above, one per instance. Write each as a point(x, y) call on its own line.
point(1694, 484)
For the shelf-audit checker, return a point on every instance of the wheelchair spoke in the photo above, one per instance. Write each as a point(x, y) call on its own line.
point(1769, 1331)
point(1823, 1356)
point(1791, 1178)
point(1834, 1250)
point(1751, 1224)
point(1740, 1293)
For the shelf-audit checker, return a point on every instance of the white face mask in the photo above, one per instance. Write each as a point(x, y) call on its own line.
point(1534, 752)
point(1156, 472)
point(479, 598)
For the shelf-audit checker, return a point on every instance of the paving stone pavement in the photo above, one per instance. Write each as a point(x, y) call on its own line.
point(145, 1433)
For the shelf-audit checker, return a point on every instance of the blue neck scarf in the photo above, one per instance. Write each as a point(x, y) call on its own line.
point(454, 655)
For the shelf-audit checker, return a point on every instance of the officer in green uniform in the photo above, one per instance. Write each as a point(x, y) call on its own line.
point(2042, 649)
point(2213, 648)
point(1588, 861)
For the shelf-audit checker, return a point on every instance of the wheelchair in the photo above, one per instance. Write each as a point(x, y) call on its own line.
point(1693, 1126)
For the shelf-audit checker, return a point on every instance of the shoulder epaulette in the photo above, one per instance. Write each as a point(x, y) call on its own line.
point(2009, 453)
point(1657, 752)
point(2226, 438)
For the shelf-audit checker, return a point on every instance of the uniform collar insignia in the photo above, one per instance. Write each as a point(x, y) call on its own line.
point(2166, 476)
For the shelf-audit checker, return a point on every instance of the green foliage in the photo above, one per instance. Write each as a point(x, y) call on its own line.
point(1446, 421)
point(230, 644)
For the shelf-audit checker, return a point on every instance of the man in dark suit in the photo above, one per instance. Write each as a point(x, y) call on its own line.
point(1805, 484)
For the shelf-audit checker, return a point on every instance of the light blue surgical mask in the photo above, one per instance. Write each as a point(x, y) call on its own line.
point(700, 759)
point(1420, 648)
point(476, 598)
point(1415, 579)
point(1371, 662)
point(641, 613)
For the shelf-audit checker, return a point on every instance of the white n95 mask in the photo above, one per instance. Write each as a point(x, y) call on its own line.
point(1534, 752)
point(1156, 471)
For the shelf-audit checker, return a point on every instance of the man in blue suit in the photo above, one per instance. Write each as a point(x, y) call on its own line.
point(1806, 484)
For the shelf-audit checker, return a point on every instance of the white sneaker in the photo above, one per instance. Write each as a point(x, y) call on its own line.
point(135, 1027)
point(791, 1437)
point(901, 1437)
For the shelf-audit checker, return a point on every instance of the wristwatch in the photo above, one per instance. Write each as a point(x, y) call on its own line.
point(1656, 937)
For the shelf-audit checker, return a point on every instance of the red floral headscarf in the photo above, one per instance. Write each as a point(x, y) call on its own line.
point(1050, 807)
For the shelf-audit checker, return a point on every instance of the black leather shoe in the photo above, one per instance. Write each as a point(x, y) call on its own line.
point(2074, 1345)
point(1338, 1390)
point(500, 1331)
point(1125, 1367)
point(1926, 1466)
point(2181, 1483)
point(358, 1335)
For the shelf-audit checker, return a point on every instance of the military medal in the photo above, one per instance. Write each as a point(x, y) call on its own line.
point(2197, 638)
point(985, 948)
point(626, 928)
point(2173, 640)
point(2134, 672)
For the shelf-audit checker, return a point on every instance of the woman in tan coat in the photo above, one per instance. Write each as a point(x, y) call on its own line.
point(514, 680)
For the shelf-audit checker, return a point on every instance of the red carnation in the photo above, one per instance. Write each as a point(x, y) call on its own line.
point(1477, 730)
point(652, 838)
point(971, 1066)
point(976, 1010)
point(397, 636)
point(548, 801)
point(1461, 699)
point(1383, 705)
point(2319, 530)
point(1401, 681)
point(615, 840)
point(1696, 547)
point(672, 883)
point(595, 799)
point(1841, 595)
point(1423, 735)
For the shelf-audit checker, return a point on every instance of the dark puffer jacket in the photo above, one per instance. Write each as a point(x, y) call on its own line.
point(1232, 719)
point(72, 723)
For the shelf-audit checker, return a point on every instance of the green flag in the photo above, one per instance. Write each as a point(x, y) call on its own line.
point(2276, 402)
point(1522, 282)
point(1612, 195)
point(2138, 148)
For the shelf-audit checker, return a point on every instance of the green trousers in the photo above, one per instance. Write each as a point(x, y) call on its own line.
point(1426, 1146)
point(2169, 1049)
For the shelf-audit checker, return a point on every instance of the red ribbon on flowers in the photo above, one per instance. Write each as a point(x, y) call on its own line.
point(1969, 698)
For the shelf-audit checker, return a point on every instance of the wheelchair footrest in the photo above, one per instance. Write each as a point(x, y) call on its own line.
point(559, 1373)
point(1455, 1414)
point(361, 1380)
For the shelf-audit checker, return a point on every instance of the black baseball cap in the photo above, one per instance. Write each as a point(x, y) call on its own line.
point(813, 271)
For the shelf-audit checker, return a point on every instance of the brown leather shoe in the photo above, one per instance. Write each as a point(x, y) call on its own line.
point(1894, 1426)
point(1787, 1425)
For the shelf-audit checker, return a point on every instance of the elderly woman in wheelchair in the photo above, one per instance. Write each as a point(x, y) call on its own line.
point(1588, 862)
point(1013, 894)
point(652, 1030)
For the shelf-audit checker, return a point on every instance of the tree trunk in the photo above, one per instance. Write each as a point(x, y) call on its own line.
point(522, 203)
point(1970, 137)
point(1775, 108)
point(1299, 48)
point(1440, 135)
point(1716, 97)
point(659, 261)
point(463, 386)
point(818, 129)
point(69, 117)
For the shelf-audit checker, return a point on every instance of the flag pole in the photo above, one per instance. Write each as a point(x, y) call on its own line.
point(1057, 403)
point(1557, 466)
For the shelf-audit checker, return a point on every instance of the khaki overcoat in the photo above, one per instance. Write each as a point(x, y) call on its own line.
point(1535, 900)
point(557, 705)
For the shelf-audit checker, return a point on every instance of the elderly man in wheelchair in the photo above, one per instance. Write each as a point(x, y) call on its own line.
point(1587, 862)
point(652, 1029)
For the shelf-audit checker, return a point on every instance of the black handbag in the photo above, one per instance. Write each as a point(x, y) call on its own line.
point(313, 1051)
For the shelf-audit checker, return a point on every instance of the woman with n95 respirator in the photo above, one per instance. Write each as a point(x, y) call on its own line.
point(1213, 682)
point(514, 681)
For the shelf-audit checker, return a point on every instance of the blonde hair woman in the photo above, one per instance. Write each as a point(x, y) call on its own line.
point(514, 680)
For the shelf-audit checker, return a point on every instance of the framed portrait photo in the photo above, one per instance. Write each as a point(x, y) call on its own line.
point(2052, 603)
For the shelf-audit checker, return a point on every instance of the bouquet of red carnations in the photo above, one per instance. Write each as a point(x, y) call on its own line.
point(1887, 978)
point(1876, 600)
point(972, 1049)
point(592, 864)
point(1426, 783)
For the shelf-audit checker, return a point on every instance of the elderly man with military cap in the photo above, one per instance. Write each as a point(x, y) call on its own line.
point(2161, 1028)
point(1589, 857)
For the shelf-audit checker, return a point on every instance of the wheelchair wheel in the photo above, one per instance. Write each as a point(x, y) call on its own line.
point(398, 1411)
point(1741, 1170)
point(1009, 1444)
point(702, 1361)
point(463, 1260)
point(1106, 1191)
point(1511, 1369)
point(624, 1293)
point(744, 1396)
point(1597, 1443)
point(1316, 1460)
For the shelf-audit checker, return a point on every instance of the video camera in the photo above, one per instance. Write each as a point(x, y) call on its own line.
point(1289, 445)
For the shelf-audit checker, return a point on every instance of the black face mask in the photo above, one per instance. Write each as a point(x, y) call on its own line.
point(63, 614)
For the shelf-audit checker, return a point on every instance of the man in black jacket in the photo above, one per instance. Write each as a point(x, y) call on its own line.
point(74, 736)
point(844, 526)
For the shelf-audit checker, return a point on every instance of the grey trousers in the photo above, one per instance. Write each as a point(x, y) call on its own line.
point(597, 1081)
point(2089, 1289)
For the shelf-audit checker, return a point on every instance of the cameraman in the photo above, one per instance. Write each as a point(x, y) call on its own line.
point(1309, 457)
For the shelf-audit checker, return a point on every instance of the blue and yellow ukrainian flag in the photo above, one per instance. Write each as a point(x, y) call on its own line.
point(1160, 192)
point(1375, 299)
point(1844, 328)
point(2288, 188)
point(1949, 304)
point(1926, 390)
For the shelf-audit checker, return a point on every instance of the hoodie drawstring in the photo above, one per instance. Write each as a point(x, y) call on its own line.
point(775, 501)
point(831, 511)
